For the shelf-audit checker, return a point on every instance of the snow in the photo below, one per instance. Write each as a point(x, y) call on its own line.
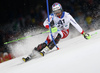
point(76, 55)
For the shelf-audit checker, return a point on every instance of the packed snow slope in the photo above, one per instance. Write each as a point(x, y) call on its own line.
point(76, 55)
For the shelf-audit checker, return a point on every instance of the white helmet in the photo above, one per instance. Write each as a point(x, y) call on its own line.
point(56, 6)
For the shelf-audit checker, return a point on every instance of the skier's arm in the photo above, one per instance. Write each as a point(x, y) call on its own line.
point(76, 25)
point(46, 24)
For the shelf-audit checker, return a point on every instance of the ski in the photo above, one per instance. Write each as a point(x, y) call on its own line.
point(40, 54)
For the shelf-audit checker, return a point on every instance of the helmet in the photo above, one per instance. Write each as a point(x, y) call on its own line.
point(56, 7)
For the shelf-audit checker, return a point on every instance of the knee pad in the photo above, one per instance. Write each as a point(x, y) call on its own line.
point(57, 38)
point(40, 47)
point(51, 44)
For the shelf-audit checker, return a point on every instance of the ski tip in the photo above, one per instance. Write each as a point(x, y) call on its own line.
point(42, 54)
point(24, 59)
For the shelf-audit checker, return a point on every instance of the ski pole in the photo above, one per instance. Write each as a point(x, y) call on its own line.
point(24, 38)
point(53, 30)
point(49, 25)
point(94, 34)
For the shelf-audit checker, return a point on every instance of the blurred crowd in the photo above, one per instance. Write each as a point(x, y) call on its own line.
point(85, 12)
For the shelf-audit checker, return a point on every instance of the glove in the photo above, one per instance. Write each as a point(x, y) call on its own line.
point(54, 29)
point(86, 36)
point(51, 24)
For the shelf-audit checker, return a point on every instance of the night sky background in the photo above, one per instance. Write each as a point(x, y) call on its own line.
point(12, 8)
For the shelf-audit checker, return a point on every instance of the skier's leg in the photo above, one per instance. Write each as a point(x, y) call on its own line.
point(64, 33)
point(50, 45)
point(60, 35)
point(57, 36)
point(40, 47)
point(35, 51)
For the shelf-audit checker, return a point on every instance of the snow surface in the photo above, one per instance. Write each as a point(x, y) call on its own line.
point(76, 55)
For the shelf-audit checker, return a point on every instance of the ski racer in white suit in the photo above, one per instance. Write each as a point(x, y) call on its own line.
point(61, 20)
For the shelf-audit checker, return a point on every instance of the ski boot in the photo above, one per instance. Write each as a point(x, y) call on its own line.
point(45, 50)
point(26, 59)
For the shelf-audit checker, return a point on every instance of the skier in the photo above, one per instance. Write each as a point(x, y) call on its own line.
point(61, 20)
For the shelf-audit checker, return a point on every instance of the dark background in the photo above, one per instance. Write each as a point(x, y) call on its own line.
point(10, 9)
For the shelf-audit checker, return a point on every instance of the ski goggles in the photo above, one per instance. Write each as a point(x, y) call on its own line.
point(57, 11)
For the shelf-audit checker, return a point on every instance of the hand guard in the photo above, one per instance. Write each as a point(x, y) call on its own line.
point(54, 29)
point(86, 36)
